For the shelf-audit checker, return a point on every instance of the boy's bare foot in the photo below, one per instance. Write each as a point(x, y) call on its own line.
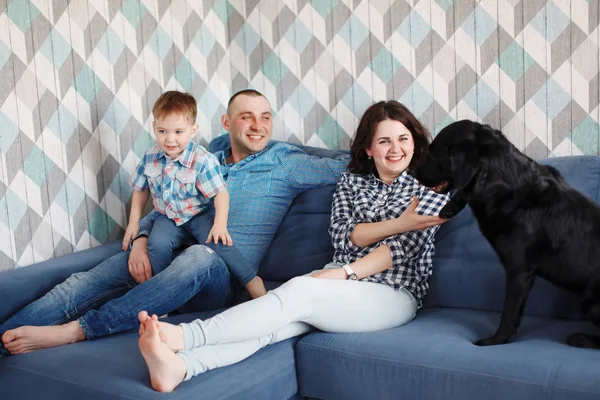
point(256, 287)
point(167, 369)
point(29, 338)
point(171, 335)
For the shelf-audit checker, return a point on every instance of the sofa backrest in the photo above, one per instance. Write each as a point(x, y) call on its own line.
point(302, 243)
point(468, 274)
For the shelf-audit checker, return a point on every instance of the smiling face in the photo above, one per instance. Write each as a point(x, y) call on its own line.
point(250, 125)
point(392, 149)
point(173, 133)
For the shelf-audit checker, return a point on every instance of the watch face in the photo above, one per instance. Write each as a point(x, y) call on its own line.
point(353, 277)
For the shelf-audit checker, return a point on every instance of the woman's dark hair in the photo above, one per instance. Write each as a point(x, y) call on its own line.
point(359, 161)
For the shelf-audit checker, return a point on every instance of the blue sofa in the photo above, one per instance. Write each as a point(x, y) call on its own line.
point(430, 358)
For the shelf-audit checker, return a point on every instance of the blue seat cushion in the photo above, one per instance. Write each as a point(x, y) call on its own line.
point(113, 367)
point(467, 272)
point(433, 357)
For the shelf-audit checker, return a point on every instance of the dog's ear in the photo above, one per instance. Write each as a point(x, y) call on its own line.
point(463, 164)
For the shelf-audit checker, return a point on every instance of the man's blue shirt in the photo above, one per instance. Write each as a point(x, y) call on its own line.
point(261, 188)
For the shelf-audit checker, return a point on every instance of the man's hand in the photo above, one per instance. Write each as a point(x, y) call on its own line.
point(217, 233)
point(132, 230)
point(333, 273)
point(139, 262)
point(410, 220)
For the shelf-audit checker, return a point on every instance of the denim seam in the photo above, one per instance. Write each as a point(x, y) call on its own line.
point(95, 299)
point(85, 328)
point(247, 278)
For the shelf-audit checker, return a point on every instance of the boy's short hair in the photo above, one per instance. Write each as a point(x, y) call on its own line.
point(175, 102)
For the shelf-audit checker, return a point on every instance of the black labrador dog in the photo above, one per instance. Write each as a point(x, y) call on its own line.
point(536, 223)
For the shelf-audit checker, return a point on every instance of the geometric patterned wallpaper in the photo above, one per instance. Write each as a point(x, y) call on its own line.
point(78, 79)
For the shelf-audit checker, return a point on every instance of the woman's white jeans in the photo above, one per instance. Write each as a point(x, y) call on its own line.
point(292, 309)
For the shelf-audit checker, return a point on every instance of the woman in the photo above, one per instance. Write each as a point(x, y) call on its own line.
point(382, 225)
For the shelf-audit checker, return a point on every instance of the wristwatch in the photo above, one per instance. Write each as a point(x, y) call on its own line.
point(351, 274)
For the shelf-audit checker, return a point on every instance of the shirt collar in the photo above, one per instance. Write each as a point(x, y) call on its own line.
point(401, 180)
point(184, 159)
point(223, 154)
point(227, 152)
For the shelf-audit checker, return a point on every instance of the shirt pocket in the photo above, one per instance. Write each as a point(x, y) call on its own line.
point(258, 183)
point(186, 184)
point(153, 176)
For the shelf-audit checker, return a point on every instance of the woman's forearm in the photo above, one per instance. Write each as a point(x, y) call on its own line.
point(373, 263)
point(365, 234)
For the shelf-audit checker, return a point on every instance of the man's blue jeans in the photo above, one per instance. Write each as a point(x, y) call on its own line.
point(166, 237)
point(106, 299)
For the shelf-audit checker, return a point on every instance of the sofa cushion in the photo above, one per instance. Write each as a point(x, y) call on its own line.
point(468, 274)
point(113, 367)
point(433, 357)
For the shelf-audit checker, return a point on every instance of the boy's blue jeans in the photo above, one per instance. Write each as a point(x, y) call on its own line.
point(166, 237)
point(106, 299)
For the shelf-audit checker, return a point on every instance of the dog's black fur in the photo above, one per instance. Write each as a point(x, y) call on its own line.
point(536, 223)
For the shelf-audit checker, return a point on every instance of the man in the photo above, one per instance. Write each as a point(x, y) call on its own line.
point(262, 177)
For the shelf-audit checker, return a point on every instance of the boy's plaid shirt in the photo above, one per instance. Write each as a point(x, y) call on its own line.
point(364, 199)
point(182, 188)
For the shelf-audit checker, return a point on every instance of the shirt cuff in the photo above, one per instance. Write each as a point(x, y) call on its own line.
point(396, 248)
point(139, 235)
point(351, 247)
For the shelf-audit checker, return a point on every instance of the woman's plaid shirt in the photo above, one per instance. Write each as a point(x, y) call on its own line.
point(364, 199)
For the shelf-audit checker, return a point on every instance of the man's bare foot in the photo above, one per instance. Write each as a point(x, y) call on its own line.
point(29, 338)
point(167, 369)
point(171, 335)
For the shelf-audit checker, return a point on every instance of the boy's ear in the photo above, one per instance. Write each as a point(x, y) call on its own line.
point(194, 130)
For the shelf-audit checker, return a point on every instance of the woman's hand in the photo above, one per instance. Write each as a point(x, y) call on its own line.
point(333, 273)
point(410, 220)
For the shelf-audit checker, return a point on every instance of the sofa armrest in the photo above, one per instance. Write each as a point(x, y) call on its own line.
point(21, 286)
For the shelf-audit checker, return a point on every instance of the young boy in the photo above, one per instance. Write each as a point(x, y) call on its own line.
point(183, 178)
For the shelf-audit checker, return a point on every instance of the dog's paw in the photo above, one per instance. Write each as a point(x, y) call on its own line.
point(448, 212)
point(583, 340)
point(490, 341)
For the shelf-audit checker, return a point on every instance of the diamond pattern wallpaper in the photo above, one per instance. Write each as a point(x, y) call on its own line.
point(78, 79)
